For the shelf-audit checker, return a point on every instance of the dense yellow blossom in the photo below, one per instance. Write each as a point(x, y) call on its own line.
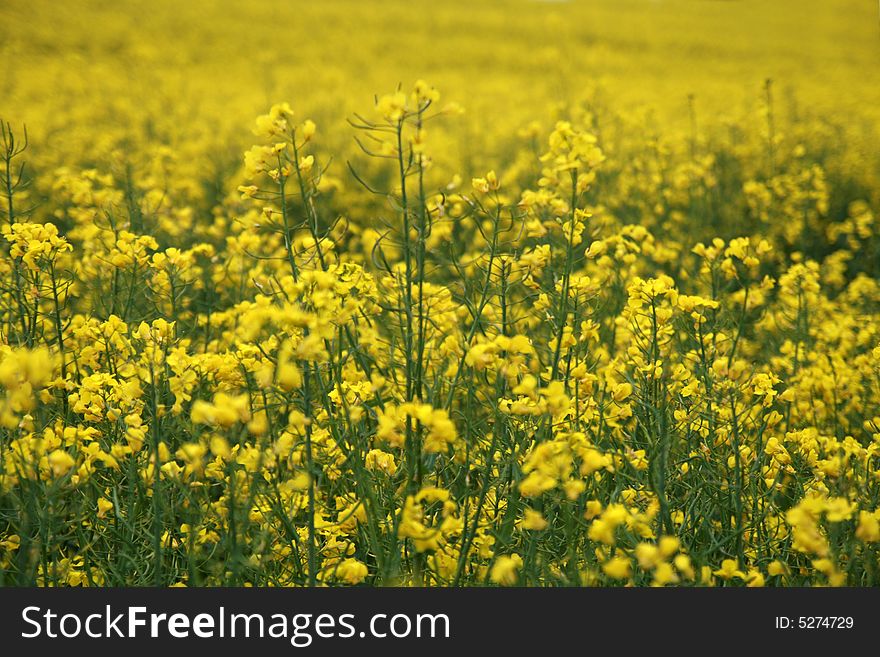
point(612, 320)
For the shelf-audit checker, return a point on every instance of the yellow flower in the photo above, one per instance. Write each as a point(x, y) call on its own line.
point(683, 565)
point(351, 571)
point(61, 462)
point(868, 529)
point(664, 574)
point(376, 459)
point(754, 578)
point(594, 508)
point(648, 555)
point(618, 568)
point(776, 568)
point(729, 570)
point(533, 520)
point(621, 391)
point(839, 509)
point(505, 570)
point(392, 106)
point(104, 506)
point(668, 545)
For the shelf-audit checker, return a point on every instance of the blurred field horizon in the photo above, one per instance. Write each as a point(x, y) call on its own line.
point(137, 61)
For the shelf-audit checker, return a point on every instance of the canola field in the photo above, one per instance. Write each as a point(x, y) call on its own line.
point(511, 293)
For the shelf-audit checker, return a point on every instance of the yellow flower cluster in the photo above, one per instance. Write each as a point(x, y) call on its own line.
point(632, 351)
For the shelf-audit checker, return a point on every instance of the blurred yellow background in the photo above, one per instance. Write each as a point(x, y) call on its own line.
point(209, 67)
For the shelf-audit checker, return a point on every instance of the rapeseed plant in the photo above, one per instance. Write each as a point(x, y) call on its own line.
point(625, 353)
